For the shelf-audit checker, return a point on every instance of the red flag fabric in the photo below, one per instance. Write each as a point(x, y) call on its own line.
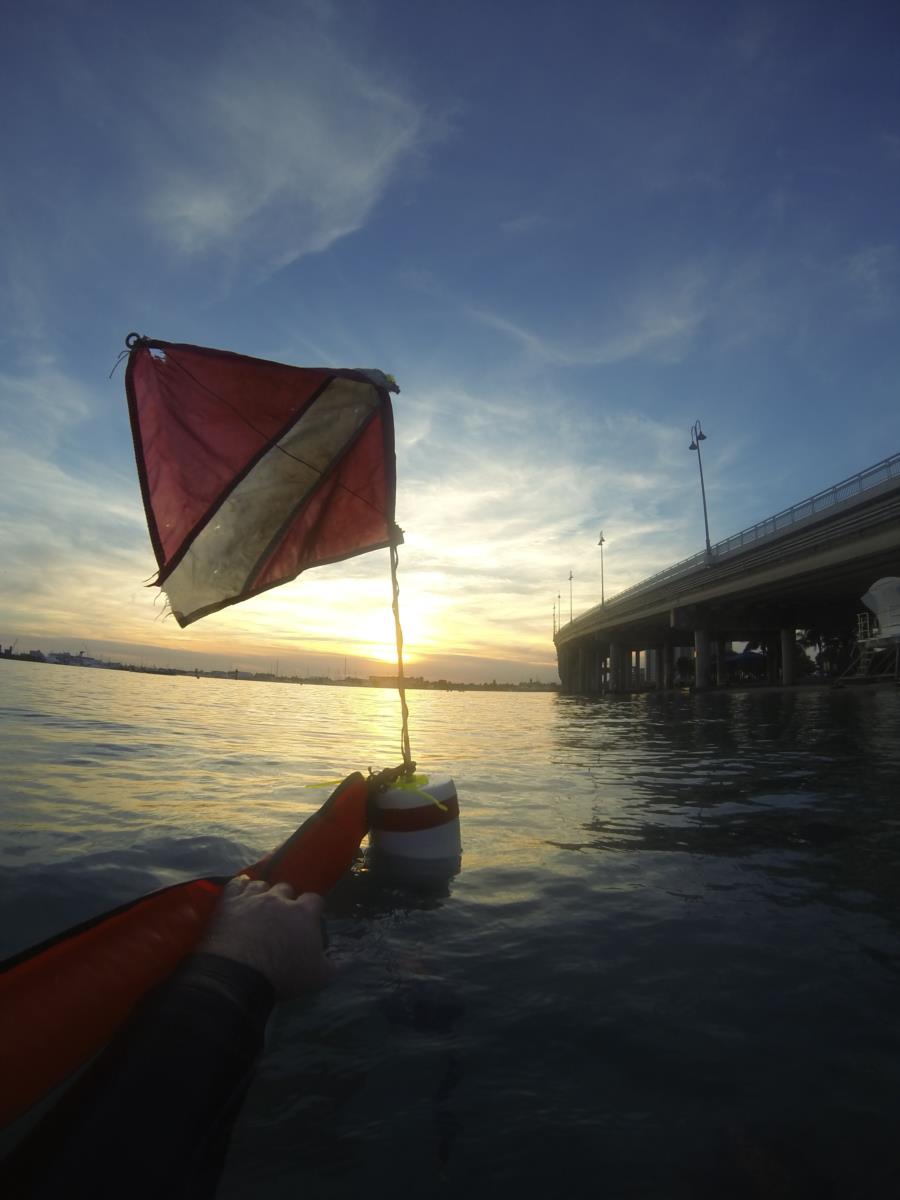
point(253, 471)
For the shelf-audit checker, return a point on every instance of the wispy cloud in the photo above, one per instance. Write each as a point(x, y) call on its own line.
point(873, 272)
point(41, 401)
point(278, 146)
point(74, 548)
point(524, 223)
point(659, 322)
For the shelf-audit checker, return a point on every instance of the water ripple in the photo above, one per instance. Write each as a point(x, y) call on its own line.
point(669, 965)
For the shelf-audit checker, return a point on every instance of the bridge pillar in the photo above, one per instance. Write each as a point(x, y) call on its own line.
point(721, 669)
point(771, 658)
point(616, 667)
point(668, 672)
point(701, 659)
point(658, 652)
point(787, 656)
point(599, 658)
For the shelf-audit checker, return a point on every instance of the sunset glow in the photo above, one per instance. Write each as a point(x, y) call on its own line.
point(679, 218)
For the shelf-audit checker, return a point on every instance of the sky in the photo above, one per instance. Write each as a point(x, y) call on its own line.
point(568, 230)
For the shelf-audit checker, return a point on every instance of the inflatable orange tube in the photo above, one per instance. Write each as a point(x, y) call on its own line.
point(62, 1001)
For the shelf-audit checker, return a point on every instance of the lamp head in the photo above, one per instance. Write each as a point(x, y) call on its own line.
point(692, 446)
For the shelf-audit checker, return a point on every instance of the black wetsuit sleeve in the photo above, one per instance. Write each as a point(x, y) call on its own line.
point(152, 1115)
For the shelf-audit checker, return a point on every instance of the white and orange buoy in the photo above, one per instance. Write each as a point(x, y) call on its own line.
point(414, 836)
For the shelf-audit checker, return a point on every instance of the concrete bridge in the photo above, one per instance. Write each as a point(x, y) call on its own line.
point(805, 567)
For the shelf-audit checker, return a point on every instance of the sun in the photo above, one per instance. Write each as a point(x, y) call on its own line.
point(373, 633)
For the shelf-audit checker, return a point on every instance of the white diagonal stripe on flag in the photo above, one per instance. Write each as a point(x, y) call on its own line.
point(223, 556)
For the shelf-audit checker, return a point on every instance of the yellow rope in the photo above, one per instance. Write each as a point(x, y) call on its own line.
point(396, 536)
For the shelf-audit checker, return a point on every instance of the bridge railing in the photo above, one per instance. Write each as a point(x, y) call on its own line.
point(845, 490)
point(871, 477)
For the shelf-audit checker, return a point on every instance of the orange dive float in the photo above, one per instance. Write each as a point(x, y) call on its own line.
point(62, 1000)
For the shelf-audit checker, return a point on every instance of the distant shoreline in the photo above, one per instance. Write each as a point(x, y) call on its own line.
point(411, 683)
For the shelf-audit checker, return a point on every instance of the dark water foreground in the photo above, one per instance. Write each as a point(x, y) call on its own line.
point(669, 968)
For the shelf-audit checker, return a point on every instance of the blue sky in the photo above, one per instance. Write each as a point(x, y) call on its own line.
point(567, 230)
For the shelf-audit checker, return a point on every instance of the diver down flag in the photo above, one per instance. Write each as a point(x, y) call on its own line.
point(253, 471)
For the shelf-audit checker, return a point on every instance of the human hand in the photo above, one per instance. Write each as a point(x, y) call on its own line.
point(273, 930)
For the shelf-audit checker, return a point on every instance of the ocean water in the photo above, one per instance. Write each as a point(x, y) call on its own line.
point(670, 966)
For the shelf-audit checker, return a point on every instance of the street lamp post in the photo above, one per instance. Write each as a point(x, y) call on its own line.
point(698, 436)
point(570, 597)
point(602, 589)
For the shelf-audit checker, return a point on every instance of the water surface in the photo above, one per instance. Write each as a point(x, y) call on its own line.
point(669, 967)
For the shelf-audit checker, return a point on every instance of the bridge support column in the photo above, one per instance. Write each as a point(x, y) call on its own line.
point(668, 672)
point(701, 659)
point(616, 667)
point(599, 662)
point(572, 665)
point(563, 668)
point(721, 669)
point(787, 656)
point(658, 652)
point(771, 658)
